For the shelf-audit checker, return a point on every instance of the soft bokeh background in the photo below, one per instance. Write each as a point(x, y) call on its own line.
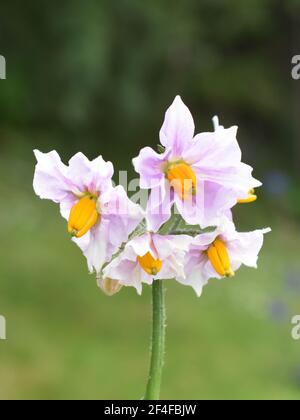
point(97, 76)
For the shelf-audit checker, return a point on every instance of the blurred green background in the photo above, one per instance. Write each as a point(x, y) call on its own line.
point(97, 76)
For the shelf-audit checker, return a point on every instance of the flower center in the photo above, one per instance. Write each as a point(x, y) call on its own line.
point(218, 256)
point(182, 178)
point(150, 265)
point(250, 199)
point(83, 216)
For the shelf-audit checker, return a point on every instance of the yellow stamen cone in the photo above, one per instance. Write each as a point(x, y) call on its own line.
point(183, 179)
point(215, 260)
point(150, 265)
point(219, 258)
point(224, 257)
point(83, 216)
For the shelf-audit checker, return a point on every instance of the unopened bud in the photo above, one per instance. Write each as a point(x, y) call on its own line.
point(109, 286)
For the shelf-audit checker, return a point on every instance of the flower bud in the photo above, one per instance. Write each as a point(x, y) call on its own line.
point(108, 286)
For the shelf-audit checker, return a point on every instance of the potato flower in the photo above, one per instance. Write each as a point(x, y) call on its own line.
point(100, 216)
point(203, 174)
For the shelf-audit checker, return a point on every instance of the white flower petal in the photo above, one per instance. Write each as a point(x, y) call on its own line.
point(95, 246)
point(178, 127)
point(245, 247)
point(50, 179)
point(93, 176)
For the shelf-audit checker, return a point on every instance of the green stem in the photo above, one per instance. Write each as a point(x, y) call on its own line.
point(158, 341)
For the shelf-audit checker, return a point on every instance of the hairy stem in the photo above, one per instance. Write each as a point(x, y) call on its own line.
point(158, 341)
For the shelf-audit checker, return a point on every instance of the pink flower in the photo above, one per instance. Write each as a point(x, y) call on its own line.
point(147, 258)
point(203, 174)
point(220, 253)
point(100, 217)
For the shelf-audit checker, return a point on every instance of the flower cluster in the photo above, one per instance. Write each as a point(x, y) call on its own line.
point(185, 233)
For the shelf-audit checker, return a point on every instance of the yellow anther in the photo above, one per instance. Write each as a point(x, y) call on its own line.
point(219, 258)
point(250, 199)
point(183, 179)
point(83, 216)
point(150, 265)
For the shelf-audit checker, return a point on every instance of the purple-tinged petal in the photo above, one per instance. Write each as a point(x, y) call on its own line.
point(218, 201)
point(171, 251)
point(192, 209)
point(119, 218)
point(124, 215)
point(246, 247)
point(94, 246)
point(66, 205)
point(50, 178)
point(159, 206)
point(173, 267)
point(202, 242)
point(239, 178)
point(150, 166)
point(209, 206)
point(127, 272)
point(216, 157)
point(92, 176)
point(194, 273)
point(142, 245)
point(178, 127)
point(214, 148)
point(169, 244)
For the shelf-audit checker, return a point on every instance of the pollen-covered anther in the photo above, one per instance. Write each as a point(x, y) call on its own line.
point(250, 199)
point(83, 216)
point(150, 265)
point(219, 258)
point(183, 179)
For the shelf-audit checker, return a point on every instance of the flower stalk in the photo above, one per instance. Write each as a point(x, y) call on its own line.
point(158, 341)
